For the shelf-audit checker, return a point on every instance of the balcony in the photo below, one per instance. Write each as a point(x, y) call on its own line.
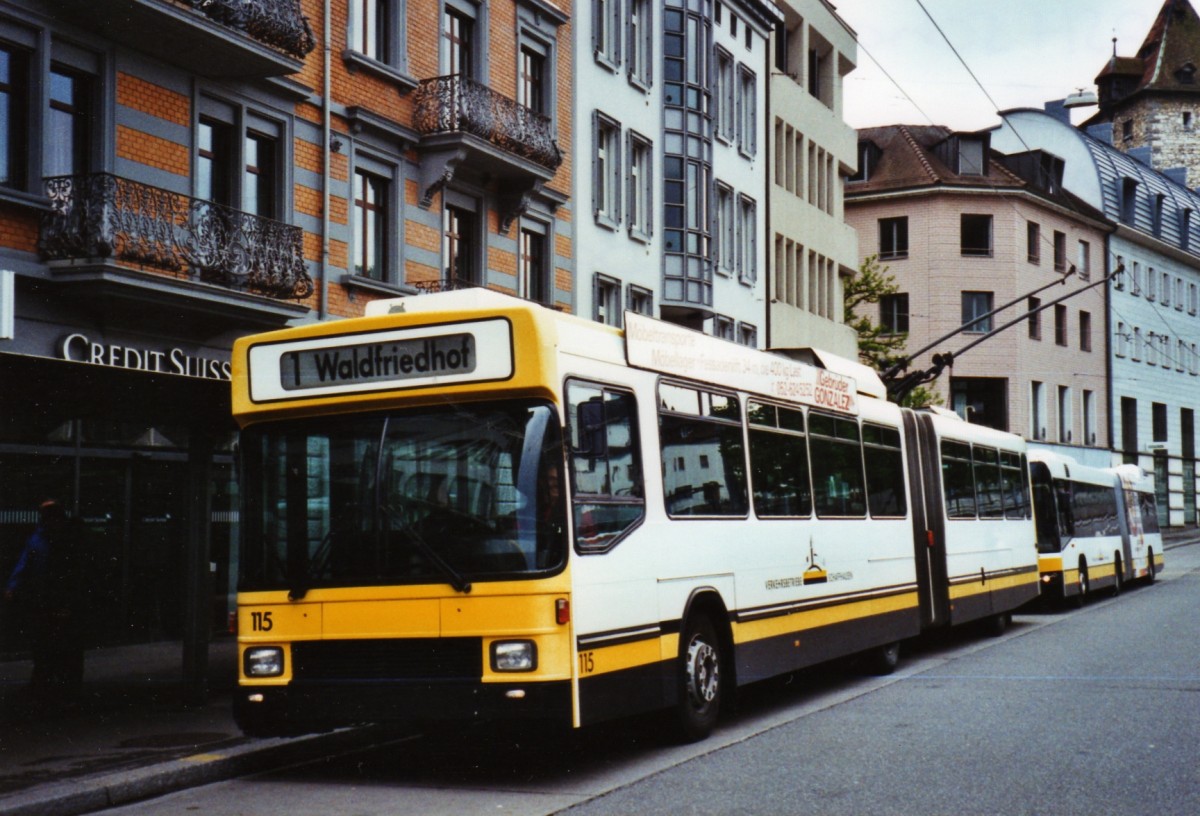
point(211, 38)
point(132, 241)
point(467, 129)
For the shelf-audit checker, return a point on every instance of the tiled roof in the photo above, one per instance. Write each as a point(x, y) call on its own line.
point(907, 160)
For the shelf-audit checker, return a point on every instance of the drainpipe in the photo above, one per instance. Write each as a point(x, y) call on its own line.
point(323, 303)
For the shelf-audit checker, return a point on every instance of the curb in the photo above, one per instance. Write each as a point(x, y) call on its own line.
point(90, 794)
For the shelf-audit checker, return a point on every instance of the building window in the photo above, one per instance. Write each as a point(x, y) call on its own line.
point(893, 313)
point(725, 229)
point(1185, 228)
point(976, 235)
point(1060, 324)
point(606, 195)
point(893, 237)
point(1033, 242)
point(14, 108)
point(261, 181)
point(1127, 129)
point(723, 327)
point(1158, 419)
point(368, 31)
point(975, 311)
point(214, 162)
point(747, 103)
point(457, 56)
point(726, 108)
point(1035, 318)
point(459, 246)
point(1089, 418)
point(370, 225)
point(1122, 340)
point(748, 243)
point(535, 279)
point(1193, 299)
point(531, 87)
point(68, 140)
point(1085, 331)
point(606, 32)
point(640, 300)
point(1037, 410)
point(1151, 284)
point(1064, 414)
point(607, 300)
point(1060, 251)
point(641, 186)
point(1083, 266)
point(747, 335)
point(1156, 222)
point(641, 42)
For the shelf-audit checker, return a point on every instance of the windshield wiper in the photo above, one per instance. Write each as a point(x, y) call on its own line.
point(453, 576)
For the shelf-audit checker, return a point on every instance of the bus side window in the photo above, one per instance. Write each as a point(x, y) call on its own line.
point(958, 481)
point(835, 452)
point(606, 474)
point(885, 471)
point(778, 461)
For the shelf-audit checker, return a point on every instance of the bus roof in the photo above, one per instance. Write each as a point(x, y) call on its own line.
point(474, 341)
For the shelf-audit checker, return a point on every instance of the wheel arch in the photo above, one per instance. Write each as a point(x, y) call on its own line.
point(707, 601)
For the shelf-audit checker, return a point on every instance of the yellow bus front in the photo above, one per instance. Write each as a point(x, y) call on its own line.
point(403, 551)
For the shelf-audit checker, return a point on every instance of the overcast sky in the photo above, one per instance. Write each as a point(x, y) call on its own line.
point(1024, 52)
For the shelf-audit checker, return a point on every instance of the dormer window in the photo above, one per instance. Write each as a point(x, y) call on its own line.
point(1186, 74)
point(965, 153)
point(868, 157)
point(1128, 199)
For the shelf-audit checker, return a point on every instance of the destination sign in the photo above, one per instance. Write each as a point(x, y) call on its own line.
point(474, 351)
point(665, 347)
point(372, 362)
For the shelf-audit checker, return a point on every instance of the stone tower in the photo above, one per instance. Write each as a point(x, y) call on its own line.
point(1152, 100)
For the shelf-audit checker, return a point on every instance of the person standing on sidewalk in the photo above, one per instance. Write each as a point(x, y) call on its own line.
point(46, 590)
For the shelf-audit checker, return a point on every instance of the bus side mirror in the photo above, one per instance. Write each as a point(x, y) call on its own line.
point(593, 435)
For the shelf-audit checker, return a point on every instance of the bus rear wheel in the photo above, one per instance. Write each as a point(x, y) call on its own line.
point(700, 689)
point(1082, 586)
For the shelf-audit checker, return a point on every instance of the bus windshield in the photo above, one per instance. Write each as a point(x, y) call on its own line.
point(436, 495)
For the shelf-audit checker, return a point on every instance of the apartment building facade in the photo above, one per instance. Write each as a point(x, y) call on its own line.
point(977, 240)
point(812, 152)
point(1154, 304)
point(670, 135)
point(180, 174)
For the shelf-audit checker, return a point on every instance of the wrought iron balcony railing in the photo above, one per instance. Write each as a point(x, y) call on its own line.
point(453, 104)
point(106, 216)
point(449, 285)
point(276, 23)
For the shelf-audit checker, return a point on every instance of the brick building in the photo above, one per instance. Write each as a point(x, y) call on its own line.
point(175, 174)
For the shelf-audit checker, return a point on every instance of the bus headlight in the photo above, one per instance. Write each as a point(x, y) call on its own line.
point(514, 656)
point(263, 661)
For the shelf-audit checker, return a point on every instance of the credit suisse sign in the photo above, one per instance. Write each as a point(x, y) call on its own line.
point(80, 348)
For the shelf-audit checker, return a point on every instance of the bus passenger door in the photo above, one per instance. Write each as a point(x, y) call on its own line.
point(929, 533)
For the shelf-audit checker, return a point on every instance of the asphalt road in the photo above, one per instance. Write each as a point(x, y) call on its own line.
point(1093, 711)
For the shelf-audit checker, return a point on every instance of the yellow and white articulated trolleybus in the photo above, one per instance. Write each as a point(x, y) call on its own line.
point(466, 506)
point(1097, 527)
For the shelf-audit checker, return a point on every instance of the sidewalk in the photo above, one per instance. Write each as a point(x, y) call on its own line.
point(132, 737)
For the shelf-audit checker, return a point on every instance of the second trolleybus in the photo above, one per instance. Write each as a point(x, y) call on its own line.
point(1097, 528)
point(464, 505)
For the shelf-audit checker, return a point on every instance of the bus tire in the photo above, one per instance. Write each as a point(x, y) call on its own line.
point(996, 625)
point(883, 660)
point(1082, 585)
point(1118, 575)
point(1150, 560)
point(700, 682)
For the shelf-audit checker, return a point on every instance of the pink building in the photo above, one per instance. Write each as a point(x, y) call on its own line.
point(966, 231)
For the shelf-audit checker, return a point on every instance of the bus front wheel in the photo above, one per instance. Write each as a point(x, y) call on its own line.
point(700, 689)
point(1082, 586)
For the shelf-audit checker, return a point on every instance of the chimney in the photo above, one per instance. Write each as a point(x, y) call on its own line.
point(1101, 132)
point(1179, 175)
point(1058, 109)
point(1141, 154)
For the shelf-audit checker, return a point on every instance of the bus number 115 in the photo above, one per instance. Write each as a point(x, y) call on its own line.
point(586, 664)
